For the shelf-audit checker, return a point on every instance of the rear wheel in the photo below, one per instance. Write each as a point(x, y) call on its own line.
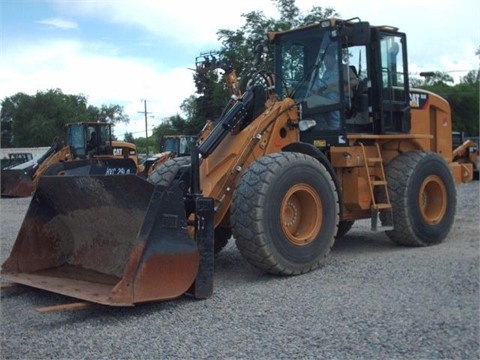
point(423, 196)
point(284, 213)
point(165, 174)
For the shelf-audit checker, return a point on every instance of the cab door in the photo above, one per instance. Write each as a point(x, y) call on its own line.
point(77, 140)
point(392, 83)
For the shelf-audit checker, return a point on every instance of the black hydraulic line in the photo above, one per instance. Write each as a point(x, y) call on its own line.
point(195, 171)
point(226, 124)
point(53, 149)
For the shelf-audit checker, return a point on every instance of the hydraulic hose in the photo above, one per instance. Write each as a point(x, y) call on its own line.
point(226, 124)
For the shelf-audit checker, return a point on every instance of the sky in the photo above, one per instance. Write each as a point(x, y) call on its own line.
point(127, 52)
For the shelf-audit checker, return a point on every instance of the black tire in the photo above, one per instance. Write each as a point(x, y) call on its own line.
point(423, 196)
point(344, 226)
point(165, 174)
point(57, 169)
point(285, 213)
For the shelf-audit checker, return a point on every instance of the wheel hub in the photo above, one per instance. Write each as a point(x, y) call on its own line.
point(301, 214)
point(432, 199)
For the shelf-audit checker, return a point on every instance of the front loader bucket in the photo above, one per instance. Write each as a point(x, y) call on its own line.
point(114, 240)
point(16, 183)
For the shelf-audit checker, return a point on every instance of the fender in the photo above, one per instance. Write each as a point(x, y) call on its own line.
point(309, 149)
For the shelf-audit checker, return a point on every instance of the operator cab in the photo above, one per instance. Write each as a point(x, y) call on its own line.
point(90, 139)
point(180, 145)
point(346, 76)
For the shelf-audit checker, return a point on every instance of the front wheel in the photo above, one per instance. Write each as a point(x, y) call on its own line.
point(423, 196)
point(285, 213)
point(165, 173)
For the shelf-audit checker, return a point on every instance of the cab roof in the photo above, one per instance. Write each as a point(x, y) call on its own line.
point(330, 22)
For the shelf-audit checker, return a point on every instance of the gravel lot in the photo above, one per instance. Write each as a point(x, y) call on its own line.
point(372, 300)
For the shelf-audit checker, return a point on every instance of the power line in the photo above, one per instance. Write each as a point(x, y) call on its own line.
point(145, 112)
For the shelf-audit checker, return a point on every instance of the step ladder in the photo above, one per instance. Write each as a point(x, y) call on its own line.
point(381, 181)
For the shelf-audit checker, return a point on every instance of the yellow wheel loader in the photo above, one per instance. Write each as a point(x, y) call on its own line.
point(292, 163)
point(171, 146)
point(465, 150)
point(89, 148)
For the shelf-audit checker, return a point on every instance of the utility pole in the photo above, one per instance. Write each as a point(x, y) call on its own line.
point(145, 112)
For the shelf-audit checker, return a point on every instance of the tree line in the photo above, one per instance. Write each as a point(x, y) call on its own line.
point(36, 120)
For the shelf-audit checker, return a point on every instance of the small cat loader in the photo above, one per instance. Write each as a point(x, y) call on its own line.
point(290, 165)
point(170, 146)
point(89, 144)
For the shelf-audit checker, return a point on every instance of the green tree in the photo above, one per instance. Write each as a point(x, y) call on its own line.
point(438, 78)
point(9, 106)
point(239, 45)
point(37, 120)
point(471, 78)
point(111, 113)
point(416, 82)
point(464, 101)
point(142, 145)
point(128, 137)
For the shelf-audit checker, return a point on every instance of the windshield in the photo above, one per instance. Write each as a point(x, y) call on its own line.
point(169, 144)
point(179, 145)
point(300, 60)
point(104, 134)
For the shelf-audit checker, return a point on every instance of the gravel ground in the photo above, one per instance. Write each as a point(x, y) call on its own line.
point(372, 300)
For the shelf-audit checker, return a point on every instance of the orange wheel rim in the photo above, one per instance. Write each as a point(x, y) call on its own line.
point(301, 214)
point(432, 199)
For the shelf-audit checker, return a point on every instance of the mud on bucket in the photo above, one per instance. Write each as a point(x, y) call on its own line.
point(114, 240)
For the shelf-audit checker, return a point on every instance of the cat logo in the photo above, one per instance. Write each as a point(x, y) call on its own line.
point(414, 100)
point(418, 100)
point(117, 151)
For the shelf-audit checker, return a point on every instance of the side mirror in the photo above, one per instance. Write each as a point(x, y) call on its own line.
point(356, 34)
point(360, 33)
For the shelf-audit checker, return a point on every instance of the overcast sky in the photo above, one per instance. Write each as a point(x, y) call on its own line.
point(121, 52)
